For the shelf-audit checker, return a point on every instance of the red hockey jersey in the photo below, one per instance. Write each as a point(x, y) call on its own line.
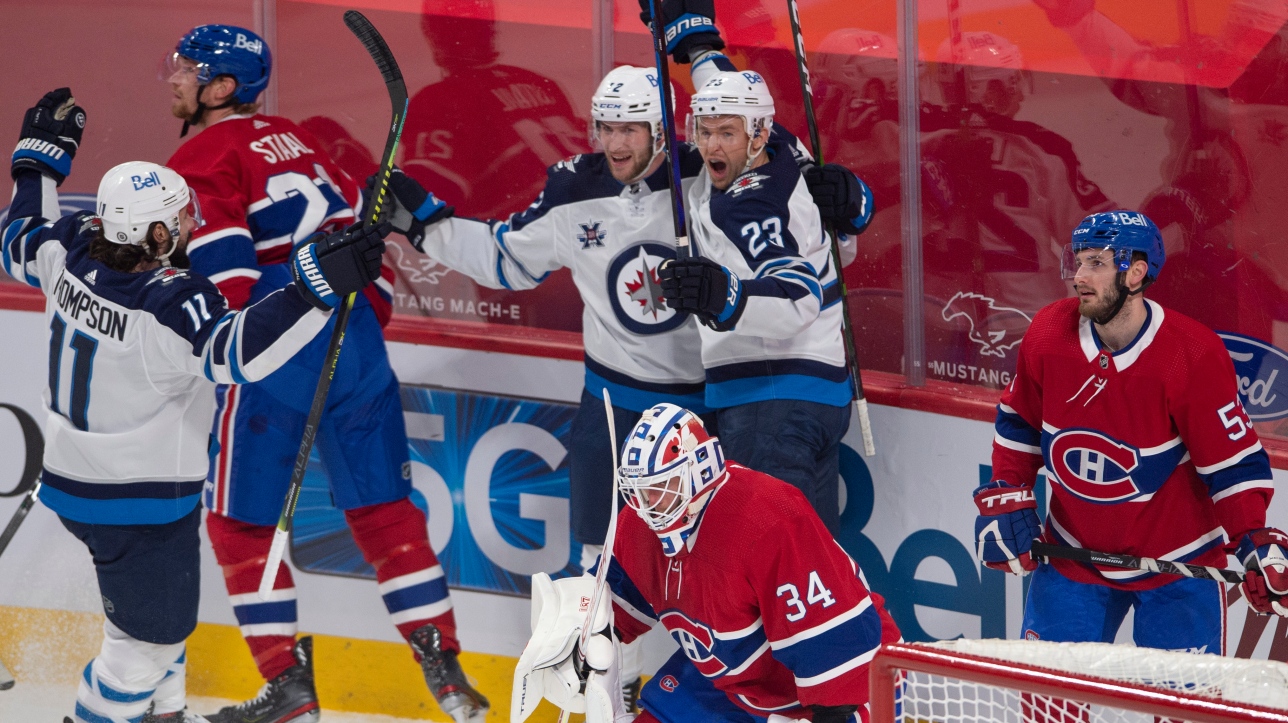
point(762, 601)
point(264, 185)
point(1148, 448)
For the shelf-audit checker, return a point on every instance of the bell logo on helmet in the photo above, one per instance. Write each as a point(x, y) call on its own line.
point(255, 46)
point(149, 181)
point(752, 77)
point(1127, 218)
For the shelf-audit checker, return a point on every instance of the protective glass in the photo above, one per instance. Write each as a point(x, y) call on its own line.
point(1093, 261)
point(194, 211)
point(605, 134)
point(727, 134)
point(669, 486)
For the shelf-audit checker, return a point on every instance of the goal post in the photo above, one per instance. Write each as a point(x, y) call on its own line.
point(988, 681)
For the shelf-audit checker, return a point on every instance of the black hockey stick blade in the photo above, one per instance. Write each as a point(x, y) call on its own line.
point(375, 45)
point(18, 516)
point(1044, 552)
point(389, 71)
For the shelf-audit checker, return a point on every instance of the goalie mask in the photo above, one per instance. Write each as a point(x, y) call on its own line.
point(670, 466)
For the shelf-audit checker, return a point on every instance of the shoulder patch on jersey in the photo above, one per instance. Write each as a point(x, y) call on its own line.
point(166, 275)
point(591, 235)
point(568, 164)
point(746, 182)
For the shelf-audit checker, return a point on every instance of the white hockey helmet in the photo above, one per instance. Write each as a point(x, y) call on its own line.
point(984, 58)
point(862, 61)
point(629, 95)
point(134, 195)
point(742, 93)
point(668, 465)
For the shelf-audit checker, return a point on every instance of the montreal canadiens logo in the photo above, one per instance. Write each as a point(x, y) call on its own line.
point(697, 642)
point(669, 683)
point(1093, 466)
point(635, 290)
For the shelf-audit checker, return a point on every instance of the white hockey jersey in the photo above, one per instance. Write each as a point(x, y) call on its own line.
point(613, 237)
point(787, 344)
point(133, 362)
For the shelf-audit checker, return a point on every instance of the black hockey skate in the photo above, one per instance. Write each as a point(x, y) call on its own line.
point(288, 697)
point(179, 716)
point(445, 678)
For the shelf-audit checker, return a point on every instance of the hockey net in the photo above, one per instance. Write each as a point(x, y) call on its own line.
point(1020, 681)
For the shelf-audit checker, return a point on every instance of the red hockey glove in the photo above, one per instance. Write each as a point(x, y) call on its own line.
point(1006, 527)
point(1262, 553)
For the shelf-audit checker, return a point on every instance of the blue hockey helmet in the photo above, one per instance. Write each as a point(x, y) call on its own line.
point(1125, 232)
point(229, 50)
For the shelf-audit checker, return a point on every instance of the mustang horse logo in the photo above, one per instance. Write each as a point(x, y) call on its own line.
point(995, 328)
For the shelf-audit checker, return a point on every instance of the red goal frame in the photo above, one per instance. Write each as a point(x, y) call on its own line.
point(892, 658)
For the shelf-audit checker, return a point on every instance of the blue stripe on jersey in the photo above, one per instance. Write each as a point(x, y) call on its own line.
point(128, 490)
point(1255, 466)
point(425, 593)
point(282, 217)
point(833, 648)
point(776, 287)
point(119, 511)
point(278, 611)
point(270, 325)
point(234, 251)
point(636, 395)
point(831, 295)
point(620, 583)
point(85, 714)
point(732, 393)
point(501, 231)
point(1013, 427)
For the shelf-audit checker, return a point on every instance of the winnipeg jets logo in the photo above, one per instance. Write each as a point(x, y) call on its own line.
point(591, 235)
point(746, 183)
point(635, 290)
point(984, 317)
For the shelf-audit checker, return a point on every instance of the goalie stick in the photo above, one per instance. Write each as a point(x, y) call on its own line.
point(384, 59)
point(847, 326)
point(682, 250)
point(605, 557)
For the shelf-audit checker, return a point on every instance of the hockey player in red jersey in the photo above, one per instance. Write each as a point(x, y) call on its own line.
point(1133, 410)
point(773, 619)
point(265, 186)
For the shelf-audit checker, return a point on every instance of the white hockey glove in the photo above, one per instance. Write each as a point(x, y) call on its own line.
point(548, 667)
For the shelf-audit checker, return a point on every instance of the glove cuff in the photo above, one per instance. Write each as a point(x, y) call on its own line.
point(1256, 539)
point(999, 498)
point(688, 25)
point(44, 156)
point(308, 277)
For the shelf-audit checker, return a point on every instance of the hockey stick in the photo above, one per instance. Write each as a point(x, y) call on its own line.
point(375, 45)
point(605, 557)
point(18, 516)
point(1043, 552)
point(6, 680)
point(847, 326)
point(682, 250)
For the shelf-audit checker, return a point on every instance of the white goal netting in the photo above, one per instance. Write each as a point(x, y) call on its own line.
point(923, 697)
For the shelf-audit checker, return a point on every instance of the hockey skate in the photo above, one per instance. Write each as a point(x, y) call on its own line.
point(288, 697)
point(445, 678)
point(179, 716)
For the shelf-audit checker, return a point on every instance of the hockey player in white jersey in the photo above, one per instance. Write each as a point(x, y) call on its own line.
point(136, 346)
point(762, 282)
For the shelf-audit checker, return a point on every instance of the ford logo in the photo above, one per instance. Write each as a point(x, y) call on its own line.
point(1262, 372)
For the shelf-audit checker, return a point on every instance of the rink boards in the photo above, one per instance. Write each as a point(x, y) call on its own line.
point(489, 461)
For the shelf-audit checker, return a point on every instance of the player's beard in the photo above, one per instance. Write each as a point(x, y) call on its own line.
point(1100, 307)
point(640, 164)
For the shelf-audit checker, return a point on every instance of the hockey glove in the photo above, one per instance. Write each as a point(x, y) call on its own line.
point(1064, 13)
point(413, 208)
point(1006, 527)
point(690, 26)
point(328, 268)
point(702, 287)
point(51, 133)
point(844, 201)
point(1263, 555)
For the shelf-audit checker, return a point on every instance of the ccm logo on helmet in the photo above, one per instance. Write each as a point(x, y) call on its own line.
point(245, 43)
point(697, 642)
point(149, 181)
point(1093, 466)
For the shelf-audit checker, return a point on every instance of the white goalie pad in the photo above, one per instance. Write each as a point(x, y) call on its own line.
point(546, 668)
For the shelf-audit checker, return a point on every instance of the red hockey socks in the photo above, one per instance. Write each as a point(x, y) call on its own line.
point(269, 626)
point(394, 539)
